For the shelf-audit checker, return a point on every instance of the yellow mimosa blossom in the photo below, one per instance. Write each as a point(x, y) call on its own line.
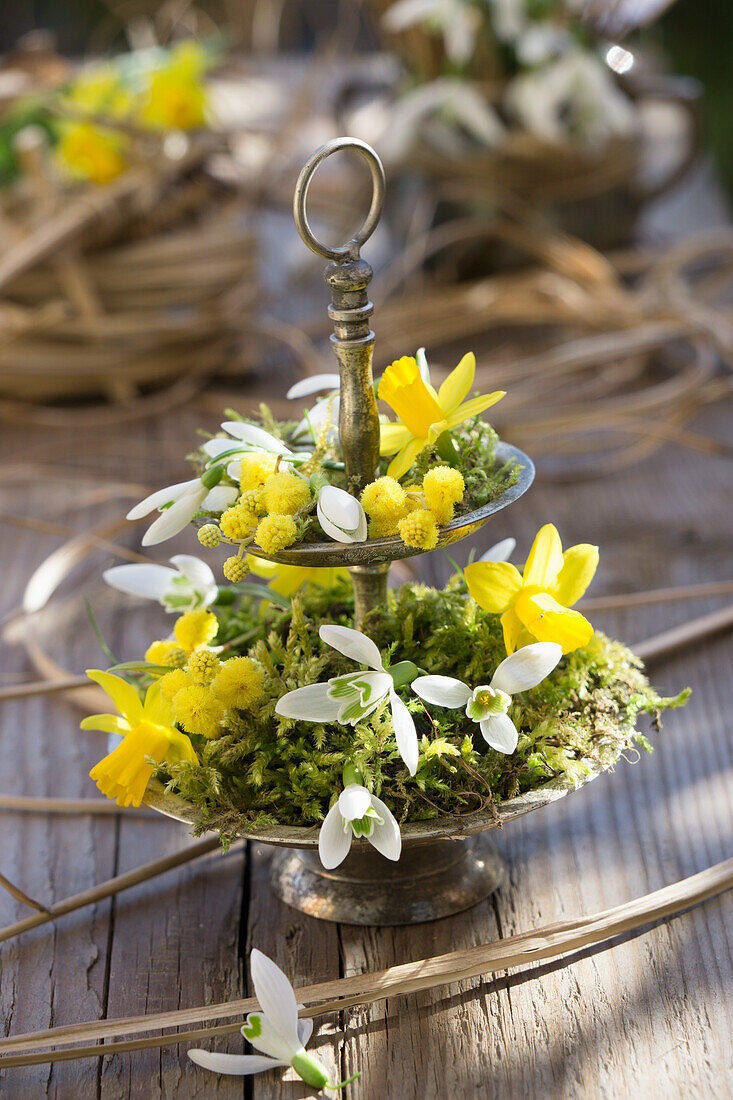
point(443, 488)
point(276, 532)
point(285, 493)
point(419, 529)
point(203, 666)
point(175, 97)
point(196, 628)
point(165, 653)
point(535, 605)
point(147, 732)
point(199, 711)
point(287, 579)
point(239, 682)
point(423, 413)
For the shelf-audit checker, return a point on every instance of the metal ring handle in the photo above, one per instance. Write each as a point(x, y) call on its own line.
point(350, 250)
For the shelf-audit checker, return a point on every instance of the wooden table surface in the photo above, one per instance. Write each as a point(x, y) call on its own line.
point(650, 1015)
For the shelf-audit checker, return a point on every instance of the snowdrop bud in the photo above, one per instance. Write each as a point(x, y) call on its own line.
point(212, 476)
point(341, 516)
point(311, 1070)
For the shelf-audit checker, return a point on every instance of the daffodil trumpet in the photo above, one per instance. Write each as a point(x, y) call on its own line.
point(536, 605)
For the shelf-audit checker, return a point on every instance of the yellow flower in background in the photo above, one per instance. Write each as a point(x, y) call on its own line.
point(287, 579)
point(99, 90)
point(535, 605)
point(174, 97)
point(147, 732)
point(89, 152)
point(423, 413)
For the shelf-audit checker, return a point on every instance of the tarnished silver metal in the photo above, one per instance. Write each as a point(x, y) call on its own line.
point(368, 889)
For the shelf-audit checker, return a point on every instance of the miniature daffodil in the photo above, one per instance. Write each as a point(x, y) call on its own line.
point(488, 704)
point(424, 414)
point(276, 1031)
point(535, 605)
point(147, 733)
point(175, 97)
point(352, 698)
point(286, 580)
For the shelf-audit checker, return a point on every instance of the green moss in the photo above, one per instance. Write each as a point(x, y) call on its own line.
point(266, 770)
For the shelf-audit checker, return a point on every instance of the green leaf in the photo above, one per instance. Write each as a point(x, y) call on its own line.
point(262, 592)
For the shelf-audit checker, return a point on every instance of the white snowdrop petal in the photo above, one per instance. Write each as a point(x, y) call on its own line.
point(174, 519)
point(256, 437)
point(500, 733)
point(216, 447)
point(331, 529)
point(196, 571)
point(234, 1065)
point(148, 581)
point(309, 704)
point(500, 551)
point(160, 497)
point(386, 837)
point(354, 801)
point(219, 498)
point(334, 840)
point(405, 732)
point(234, 469)
point(316, 383)
point(276, 997)
point(305, 1028)
point(352, 643)
point(442, 691)
point(527, 667)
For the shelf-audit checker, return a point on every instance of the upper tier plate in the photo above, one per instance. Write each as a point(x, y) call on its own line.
point(374, 551)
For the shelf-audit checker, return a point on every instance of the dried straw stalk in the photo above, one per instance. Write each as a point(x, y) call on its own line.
point(521, 950)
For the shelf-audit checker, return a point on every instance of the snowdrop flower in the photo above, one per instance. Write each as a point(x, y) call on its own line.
point(447, 98)
point(458, 21)
point(189, 585)
point(488, 704)
point(276, 1031)
point(317, 416)
point(247, 438)
point(340, 515)
point(500, 551)
point(352, 698)
point(508, 18)
point(357, 813)
point(178, 504)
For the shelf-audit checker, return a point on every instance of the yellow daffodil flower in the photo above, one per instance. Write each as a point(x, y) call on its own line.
point(288, 579)
point(535, 605)
point(89, 152)
point(175, 98)
point(423, 413)
point(147, 733)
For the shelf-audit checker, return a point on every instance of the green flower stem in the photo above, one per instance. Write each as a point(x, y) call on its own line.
point(351, 775)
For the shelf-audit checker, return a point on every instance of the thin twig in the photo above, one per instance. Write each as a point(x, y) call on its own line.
point(17, 803)
point(20, 895)
point(661, 645)
point(657, 595)
point(553, 940)
point(42, 687)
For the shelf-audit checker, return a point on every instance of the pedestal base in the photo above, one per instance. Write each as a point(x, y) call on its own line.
point(430, 880)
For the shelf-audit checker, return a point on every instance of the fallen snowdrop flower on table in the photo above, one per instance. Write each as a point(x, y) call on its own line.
point(361, 814)
point(352, 698)
point(189, 585)
point(488, 704)
point(276, 1031)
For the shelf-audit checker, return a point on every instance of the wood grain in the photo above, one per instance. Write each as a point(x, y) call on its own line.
point(652, 1014)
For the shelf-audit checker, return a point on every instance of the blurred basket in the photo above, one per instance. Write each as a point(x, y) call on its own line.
point(111, 291)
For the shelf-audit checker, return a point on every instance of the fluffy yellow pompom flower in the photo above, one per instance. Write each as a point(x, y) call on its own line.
point(203, 666)
point(147, 732)
point(419, 529)
point(384, 501)
point(276, 532)
point(165, 653)
point(286, 494)
point(198, 711)
point(535, 605)
point(423, 413)
point(235, 569)
point(237, 522)
point(254, 470)
point(173, 682)
point(238, 682)
point(196, 628)
point(443, 488)
point(209, 535)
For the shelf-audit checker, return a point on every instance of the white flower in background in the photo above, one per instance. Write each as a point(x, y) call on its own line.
point(500, 551)
point(276, 1031)
point(488, 704)
point(434, 112)
point(311, 424)
point(361, 814)
point(509, 18)
point(340, 515)
point(352, 698)
point(572, 97)
point(191, 584)
point(248, 438)
point(458, 21)
point(178, 504)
